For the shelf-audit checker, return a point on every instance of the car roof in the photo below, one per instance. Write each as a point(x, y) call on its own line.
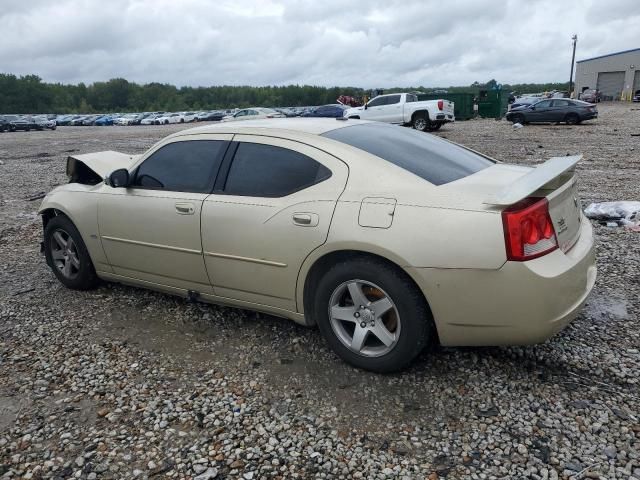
point(314, 126)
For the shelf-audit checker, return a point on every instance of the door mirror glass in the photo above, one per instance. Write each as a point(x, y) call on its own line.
point(119, 178)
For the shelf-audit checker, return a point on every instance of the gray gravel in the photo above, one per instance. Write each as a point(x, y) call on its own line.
point(126, 383)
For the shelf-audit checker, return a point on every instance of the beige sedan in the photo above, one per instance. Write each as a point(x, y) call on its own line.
point(384, 237)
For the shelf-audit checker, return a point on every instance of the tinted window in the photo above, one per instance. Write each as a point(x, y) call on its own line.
point(393, 99)
point(182, 166)
point(561, 103)
point(427, 156)
point(411, 98)
point(376, 102)
point(267, 171)
point(543, 104)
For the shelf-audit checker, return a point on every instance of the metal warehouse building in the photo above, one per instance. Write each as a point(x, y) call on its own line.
point(616, 75)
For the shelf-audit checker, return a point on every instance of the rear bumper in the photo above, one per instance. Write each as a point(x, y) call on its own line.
point(520, 303)
point(445, 117)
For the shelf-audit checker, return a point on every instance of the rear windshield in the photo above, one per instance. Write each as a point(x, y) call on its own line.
point(424, 155)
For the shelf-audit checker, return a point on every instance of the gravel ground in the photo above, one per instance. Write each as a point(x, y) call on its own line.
point(125, 383)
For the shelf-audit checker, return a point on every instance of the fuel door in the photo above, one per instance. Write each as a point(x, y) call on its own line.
point(377, 212)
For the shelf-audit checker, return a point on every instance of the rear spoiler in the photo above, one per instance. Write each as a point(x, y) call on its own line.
point(534, 180)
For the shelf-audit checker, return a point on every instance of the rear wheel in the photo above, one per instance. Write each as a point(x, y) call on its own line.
point(572, 119)
point(372, 315)
point(67, 255)
point(421, 121)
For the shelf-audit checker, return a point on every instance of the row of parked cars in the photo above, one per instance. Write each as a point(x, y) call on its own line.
point(13, 123)
point(145, 118)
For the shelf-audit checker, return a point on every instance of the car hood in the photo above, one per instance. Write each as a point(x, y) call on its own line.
point(102, 163)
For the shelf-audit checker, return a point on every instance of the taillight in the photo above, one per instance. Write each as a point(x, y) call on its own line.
point(528, 230)
point(440, 105)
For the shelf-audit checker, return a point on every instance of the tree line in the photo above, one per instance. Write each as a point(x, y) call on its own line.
point(29, 94)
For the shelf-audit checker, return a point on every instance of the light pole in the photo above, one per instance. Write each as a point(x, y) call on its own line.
point(573, 58)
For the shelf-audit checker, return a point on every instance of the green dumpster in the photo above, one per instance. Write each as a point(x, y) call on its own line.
point(462, 102)
point(493, 103)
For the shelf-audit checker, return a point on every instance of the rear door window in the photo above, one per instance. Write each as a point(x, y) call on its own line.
point(392, 99)
point(260, 170)
point(424, 155)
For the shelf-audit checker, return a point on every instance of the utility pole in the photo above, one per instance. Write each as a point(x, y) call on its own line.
point(573, 58)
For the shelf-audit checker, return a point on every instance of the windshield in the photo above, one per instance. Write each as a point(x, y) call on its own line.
point(424, 155)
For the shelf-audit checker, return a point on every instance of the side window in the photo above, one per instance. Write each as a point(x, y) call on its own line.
point(411, 98)
point(241, 113)
point(543, 104)
point(393, 99)
point(561, 103)
point(188, 166)
point(267, 171)
point(376, 102)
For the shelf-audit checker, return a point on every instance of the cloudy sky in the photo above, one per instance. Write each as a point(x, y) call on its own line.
point(364, 43)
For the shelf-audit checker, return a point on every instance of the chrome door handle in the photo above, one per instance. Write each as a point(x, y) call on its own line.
point(305, 219)
point(185, 208)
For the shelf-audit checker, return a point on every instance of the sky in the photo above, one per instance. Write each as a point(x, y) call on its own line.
point(360, 43)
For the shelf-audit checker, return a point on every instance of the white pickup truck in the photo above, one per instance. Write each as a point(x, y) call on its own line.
point(405, 109)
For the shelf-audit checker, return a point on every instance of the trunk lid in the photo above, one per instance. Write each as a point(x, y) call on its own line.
point(555, 180)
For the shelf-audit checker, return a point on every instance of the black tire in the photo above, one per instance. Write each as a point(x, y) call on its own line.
point(421, 121)
point(54, 127)
point(182, 120)
point(435, 126)
point(82, 278)
point(572, 119)
point(415, 317)
point(518, 118)
point(354, 117)
point(28, 129)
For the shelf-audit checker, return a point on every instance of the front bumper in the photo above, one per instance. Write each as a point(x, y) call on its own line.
point(521, 303)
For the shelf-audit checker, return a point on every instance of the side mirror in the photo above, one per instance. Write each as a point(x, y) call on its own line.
point(366, 106)
point(532, 107)
point(119, 178)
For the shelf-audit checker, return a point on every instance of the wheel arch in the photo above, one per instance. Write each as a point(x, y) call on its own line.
point(317, 264)
point(420, 112)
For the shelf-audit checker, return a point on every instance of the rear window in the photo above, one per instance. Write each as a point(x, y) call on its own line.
point(424, 155)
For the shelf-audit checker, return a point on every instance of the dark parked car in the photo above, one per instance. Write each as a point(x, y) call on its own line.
point(636, 96)
point(554, 110)
point(210, 117)
point(332, 111)
point(4, 124)
point(43, 122)
point(590, 95)
point(21, 123)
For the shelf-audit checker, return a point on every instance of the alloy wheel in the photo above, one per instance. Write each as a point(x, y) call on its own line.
point(420, 123)
point(364, 318)
point(64, 254)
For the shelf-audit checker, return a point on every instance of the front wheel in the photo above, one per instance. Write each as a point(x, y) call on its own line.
point(518, 118)
point(372, 315)
point(67, 255)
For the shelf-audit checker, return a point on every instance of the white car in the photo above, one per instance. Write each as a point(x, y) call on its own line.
point(168, 118)
point(152, 119)
point(125, 119)
point(189, 116)
point(253, 114)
